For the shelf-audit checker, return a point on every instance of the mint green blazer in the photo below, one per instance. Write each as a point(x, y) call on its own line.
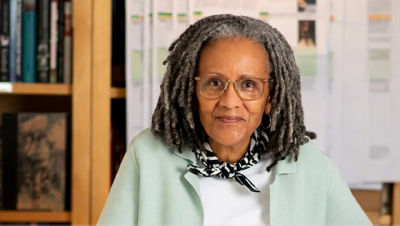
point(153, 187)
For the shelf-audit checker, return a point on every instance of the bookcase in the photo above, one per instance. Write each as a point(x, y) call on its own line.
point(89, 100)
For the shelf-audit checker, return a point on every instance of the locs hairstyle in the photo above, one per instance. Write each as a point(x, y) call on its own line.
point(176, 118)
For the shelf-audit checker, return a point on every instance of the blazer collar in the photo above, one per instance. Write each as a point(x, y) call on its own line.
point(287, 166)
point(186, 154)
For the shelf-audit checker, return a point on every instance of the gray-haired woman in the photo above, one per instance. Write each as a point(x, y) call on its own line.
point(228, 144)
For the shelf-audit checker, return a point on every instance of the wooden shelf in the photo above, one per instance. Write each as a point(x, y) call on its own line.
point(35, 216)
point(35, 89)
point(378, 219)
point(118, 93)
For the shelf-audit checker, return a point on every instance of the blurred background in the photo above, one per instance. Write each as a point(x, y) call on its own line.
point(79, 79)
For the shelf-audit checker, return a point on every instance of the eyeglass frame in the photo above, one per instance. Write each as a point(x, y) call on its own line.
point(267, 80)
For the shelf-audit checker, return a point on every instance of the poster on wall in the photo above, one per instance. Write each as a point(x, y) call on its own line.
point(346, 53)
point(383, 147)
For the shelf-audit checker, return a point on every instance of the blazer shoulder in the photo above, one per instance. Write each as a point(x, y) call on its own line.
point(312, 152)
point(146, 144)
point(313, 159)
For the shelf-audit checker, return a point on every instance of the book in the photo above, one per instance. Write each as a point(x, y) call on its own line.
point(18, 59)
point(118, 44)
point(4, 40)
point(118, 134)
point(35, 161)
point(67, 42)
point(15, 41)
point(43, 41)
point(29, 41)
point(386, 199)
point(9, 177)
point(53, 40)
point(60, 42)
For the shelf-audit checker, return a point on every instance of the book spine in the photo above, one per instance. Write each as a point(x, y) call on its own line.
point(13, 41)
point(67, 42)
point(18, 55)
point(10, 190)
point(53, 41)
point(60, 42)
point(43, 38)
point(4, 40)
point(29, 41)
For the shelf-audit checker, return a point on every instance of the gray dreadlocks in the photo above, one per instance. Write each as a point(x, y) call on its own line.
point(176, 117)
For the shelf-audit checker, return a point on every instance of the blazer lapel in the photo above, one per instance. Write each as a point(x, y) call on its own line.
point(283, 193)
point(193, 179)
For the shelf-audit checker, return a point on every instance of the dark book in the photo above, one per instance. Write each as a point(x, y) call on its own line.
point(118, 43)
point(118, 134)
point(60, 42)
point(18, 59)
point(9, 177)
point(43, 41)
point(15, 41)
point(35, 154)
point(29, 41)
point(4, 40)
point(67, 42)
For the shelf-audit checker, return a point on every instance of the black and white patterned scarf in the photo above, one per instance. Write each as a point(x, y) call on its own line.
point(213, 167)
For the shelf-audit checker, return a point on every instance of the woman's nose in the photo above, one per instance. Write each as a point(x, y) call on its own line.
point(230, 99)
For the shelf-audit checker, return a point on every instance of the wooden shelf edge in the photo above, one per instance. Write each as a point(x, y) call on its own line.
point(35, 216)
point(35, 89)
point(377, 218)
point(117, 93)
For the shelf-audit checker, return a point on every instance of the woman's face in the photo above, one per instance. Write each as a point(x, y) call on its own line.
point(229, 121)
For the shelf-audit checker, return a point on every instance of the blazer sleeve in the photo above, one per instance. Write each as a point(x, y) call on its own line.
point(342, 207)
point(122, 201)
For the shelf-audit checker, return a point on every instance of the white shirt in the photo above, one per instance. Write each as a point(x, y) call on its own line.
point(226, 202)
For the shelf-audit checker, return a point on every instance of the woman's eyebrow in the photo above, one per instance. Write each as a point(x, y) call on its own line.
point(251, 76)
point(242, 76)
point(214, 73)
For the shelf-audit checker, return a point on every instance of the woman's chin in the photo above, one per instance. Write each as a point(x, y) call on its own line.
point(228, 138)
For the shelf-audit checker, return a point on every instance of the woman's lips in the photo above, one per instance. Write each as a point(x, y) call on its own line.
point(229, 119)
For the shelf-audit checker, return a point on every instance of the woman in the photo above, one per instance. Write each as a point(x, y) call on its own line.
point(228, 143)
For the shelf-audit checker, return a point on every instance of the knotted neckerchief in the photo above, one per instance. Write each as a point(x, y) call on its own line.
point(213, 167)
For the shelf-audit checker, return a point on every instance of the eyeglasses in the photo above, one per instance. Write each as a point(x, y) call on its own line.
point(213, 87)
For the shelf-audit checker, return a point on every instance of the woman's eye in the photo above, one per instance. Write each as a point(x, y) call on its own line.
point(215, 82)
point(249, 84)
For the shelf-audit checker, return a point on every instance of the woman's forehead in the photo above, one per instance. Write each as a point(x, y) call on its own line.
point(234, 55)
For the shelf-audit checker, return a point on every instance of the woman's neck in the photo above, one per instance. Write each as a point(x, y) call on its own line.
point(230, 154)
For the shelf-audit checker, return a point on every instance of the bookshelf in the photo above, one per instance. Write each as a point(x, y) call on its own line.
point(35, 216)
point(35, 98)
point(74, 98)
point(35, 89)
point(81, 111)
point(118, 93)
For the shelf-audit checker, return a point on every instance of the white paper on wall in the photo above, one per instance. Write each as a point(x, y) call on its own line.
point(134, 67)
point(384, 95)
point(349, 71)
